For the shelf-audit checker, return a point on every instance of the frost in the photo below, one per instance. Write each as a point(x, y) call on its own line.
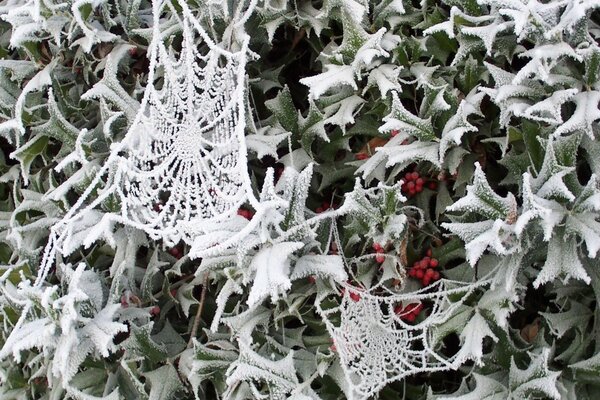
point(472, 340)
point(271, 269)
point(334, 76)
point(376, 346)
point(320, 265)
point(586, 113)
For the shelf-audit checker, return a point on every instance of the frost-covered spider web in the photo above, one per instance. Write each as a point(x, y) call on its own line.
point(183, 162)
point(185, 158)
point(376, 345)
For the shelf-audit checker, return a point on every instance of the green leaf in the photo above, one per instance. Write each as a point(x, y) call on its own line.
point(164, 383)
point(284, 110)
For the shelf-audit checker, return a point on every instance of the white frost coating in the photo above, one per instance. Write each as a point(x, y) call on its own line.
point(183, 162)
point(376, 347)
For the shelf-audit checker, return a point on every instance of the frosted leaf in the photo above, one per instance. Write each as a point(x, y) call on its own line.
point(92, 34)
point(577, 316)
point(549, 212)
point(458, 124)
point(586, 113)
point(266, 141)
point(549, 110)
point(481, 199)
point(409, 153)
point(324, 266)
point(229, 288)
point(479, 236)
point(572, 14)
point(109, 89)
point(344, 111)
point(164, 383)
point(35, 84)
point(280, 376)
point(370, 50)
point(385, 77)
point(485, 389)
point(536, 378)
point(472, 340)
point(549, 180)
point(376, 346)
point(271, 269)
point(333, 77)
point(562, 261)
point(543, 59)
point(402, 120)
point(588, 228)
point(72, 325)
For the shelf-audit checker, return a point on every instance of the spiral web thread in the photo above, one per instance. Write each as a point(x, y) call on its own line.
point(375, 345)
point(183, 162)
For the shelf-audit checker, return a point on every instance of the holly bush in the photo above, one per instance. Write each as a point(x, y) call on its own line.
point(435, 233)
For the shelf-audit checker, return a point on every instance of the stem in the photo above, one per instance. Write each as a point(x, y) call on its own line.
point(199, 311)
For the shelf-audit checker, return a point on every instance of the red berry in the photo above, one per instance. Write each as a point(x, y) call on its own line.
point(354, 296)
point(432, 185)
point(433, 263)
point(132, 51)
point(424, 264)
point(419, 273)
point(428, 253)
point(319, 210)
point(410, 186)
point(394, 132)
point(426, 280)
point(380, 258)
point(418, 188)
point(415, 176)
point(417, 310)
point(412, 192)
point(420, 181)
point(408, 177)
point(154, 311)
point(377, 247)
point(429, 272)
point(175, 252)
point(436, 275)
point(412, 272)
point(361, 156)
point(410, 317)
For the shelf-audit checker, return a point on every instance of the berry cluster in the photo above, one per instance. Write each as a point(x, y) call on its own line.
point(355, 296)
point(424, 269)
point(176, 252)
point(325, 206)
point(245, 213)
point(414, 183)
point(410, 312)
point(380, 256)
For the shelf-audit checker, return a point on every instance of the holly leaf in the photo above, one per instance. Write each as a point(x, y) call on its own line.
point(270, 268)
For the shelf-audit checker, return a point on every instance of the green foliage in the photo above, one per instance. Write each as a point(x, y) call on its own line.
point(493, 104)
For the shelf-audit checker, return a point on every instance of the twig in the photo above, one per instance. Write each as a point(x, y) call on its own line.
point(199, 311)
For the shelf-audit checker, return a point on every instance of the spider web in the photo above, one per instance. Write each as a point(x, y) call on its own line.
point(182, 165)
point(375, 345)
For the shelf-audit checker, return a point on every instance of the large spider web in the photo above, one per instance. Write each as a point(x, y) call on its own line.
point(182, 165)
point(376, 346)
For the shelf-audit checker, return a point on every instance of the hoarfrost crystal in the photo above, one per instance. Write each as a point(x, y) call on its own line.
point(183, 163)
